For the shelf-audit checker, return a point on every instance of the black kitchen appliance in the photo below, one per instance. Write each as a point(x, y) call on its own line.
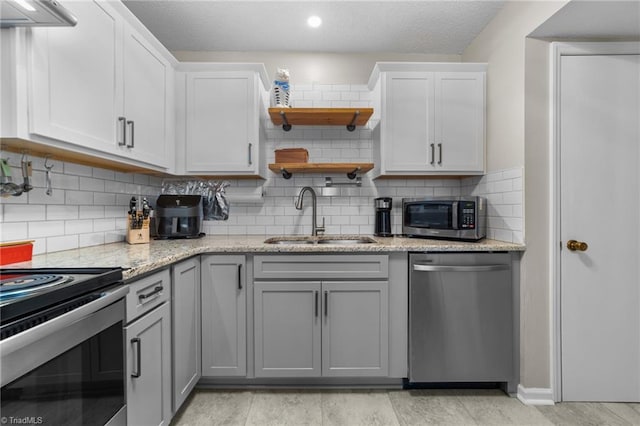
point(179, 216)
point(62, 345)
point(383, 217)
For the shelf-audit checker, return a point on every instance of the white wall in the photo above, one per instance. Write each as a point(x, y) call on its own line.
point(308, 68)
point(502, 45)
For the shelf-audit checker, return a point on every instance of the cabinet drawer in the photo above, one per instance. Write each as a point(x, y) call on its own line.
point(147, 293)
point(321, 267)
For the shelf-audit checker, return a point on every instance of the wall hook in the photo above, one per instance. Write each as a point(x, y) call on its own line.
point(48, 167)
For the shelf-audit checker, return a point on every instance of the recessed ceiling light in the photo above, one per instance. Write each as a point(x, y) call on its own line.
point(314, 21)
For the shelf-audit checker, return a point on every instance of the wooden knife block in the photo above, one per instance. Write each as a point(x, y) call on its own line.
point(138, 236)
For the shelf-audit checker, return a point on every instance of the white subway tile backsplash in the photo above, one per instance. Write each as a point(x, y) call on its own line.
point(79, 197)
point(91, 184)
point(23, 212)
point(62, 243)
point(14, 231)
point(91, 212)
point(49, 228)
point(62, 212)
point(87, 207)
point(80, 226)
point(94, 239)
point(77, 169)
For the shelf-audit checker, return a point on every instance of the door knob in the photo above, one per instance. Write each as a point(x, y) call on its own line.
point(574, 245)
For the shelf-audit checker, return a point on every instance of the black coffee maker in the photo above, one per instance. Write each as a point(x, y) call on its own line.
point(383, 217)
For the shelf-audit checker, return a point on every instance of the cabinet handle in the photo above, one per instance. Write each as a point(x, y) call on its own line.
point(326, 303)
point(133, 132)
point(156, 291)
point(250, 149)
point(439, 153)
point(433, 153)
point(123, 131)
point(316, 296)
point(240, 276)
point(136, 341)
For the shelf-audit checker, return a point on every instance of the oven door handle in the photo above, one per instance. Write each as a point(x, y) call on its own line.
point(23, 352)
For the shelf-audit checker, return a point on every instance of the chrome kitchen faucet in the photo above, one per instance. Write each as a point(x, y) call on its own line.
point(314, 207)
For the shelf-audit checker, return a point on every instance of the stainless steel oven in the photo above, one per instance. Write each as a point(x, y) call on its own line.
point(453, 218)
point(64, 363)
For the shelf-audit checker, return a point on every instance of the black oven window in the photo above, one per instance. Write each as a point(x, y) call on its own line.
point(83, 386)
point(429, 215)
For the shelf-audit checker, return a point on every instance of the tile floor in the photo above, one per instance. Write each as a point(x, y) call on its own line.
point(392, 407)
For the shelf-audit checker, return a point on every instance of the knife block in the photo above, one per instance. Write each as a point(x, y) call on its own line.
point(140, 235)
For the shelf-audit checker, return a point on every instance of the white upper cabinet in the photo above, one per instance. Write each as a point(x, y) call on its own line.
point(430, 118)
point(220, 127)
point(103, 88)
point(75, 72)
point(147, 101)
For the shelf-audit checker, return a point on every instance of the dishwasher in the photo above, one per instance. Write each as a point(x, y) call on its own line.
point(461, 318)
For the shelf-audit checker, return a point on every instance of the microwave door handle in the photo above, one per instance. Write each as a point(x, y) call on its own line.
point(454, 215)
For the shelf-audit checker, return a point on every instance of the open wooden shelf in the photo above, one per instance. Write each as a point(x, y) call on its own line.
point(350, 117)
point(351, 169)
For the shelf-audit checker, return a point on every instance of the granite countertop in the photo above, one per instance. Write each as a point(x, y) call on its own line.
point(141, 258)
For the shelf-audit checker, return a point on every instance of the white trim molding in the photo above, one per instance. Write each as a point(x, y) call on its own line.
point(535, 396)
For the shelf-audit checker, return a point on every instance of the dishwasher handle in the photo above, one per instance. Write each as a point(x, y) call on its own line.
point(458, 268)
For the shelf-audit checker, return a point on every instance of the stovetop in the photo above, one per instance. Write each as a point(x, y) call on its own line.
point(24, 292)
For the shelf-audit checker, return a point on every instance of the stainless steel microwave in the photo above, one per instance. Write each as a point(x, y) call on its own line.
point(452, 218)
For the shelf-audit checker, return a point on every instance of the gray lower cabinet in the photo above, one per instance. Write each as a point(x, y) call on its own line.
point(355, 328)
point(287, 321)
point(224, 316)
point(148, 350)
point(185, 328)
point(314, 328)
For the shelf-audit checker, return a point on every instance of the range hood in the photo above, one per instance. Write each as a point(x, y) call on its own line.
point(34, 13)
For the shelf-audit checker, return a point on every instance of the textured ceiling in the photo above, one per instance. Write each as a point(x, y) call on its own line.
point(426, 27)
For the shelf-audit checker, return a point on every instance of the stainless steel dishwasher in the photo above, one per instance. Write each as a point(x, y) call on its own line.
point(461, 326)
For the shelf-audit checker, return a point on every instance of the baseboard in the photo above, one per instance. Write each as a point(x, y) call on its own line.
point(535, 396)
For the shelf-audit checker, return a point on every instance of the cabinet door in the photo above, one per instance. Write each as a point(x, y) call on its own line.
point(222, 123)
point(287, 329)
point(459, 121)
point(148, 343)
point(186, 329)
point(145, 100)
point(355, 333)
point(407, 128)
point(75, 78)
point(224, 312)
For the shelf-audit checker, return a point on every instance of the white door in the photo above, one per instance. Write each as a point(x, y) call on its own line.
point(600, 307)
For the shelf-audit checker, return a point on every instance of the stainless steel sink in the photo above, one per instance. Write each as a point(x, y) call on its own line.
point(324, 239)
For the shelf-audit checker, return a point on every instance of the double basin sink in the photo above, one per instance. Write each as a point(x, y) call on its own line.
point(323, 239)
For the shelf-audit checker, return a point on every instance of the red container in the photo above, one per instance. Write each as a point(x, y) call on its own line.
point(14, 252)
